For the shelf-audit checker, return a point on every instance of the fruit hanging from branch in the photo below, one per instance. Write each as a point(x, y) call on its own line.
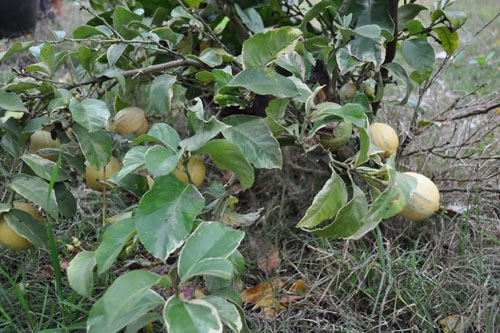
point(196, 170)
point(43, 139)
point(384, 137)
point(96, 178)
point(424, 201)
point(9, 237)
point(131, 120)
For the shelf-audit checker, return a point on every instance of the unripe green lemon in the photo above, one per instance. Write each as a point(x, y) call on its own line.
point(341, 134)
point(424, 201)
point(348, 91)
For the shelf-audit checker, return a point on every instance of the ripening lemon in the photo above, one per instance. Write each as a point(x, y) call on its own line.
point(424, 200)
point(384, 137)
point(9, 237)
point(130, 120)
point(43, 139)
point(196, 169)
point(94, 177)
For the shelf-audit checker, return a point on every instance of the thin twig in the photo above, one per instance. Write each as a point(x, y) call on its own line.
point(130, 73)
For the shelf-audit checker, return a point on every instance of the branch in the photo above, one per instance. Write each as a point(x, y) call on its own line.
point(461, 189)
point(476, 112)
point(131, 73)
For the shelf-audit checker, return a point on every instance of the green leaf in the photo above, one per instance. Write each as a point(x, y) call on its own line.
point(161, 132)
point(364, 147)
point(36, 190)
point(373, 12)
point(27, 226)
point(407, 13)
point(11, 102)
point(207, 249)
point(113, 73)
point(368, 50)
point(165, 215)
point(251, 18)
point(457, 18)
point(390, 202)
point(419, 54)
point(228, 312)
point(326, 203)
point(43, 167)
point(16, 47)
point(228, 156)
point(328, 111)
point(133, 183)
point(114, 53)
point(161, 161)
point(348, 218)
point(96, 146)
point(275, 112)
point(113, 240)
point(133, 159)
point(47, 57)
point(161, 92)
point(65, 200)
point(449, 40)
point(262, 48)
point(85, 31)
point(193, 3)
point(345, 61)
point(91, 114)
point(138, 325)
point(294, 63)
point(81, 273)
point(255, 140)
point(122, 17)
point(212, 57)
point(126, 300)
point(371, 31)
point(210, 129)
point(193, 316)
point(87, 58)
point(263, 81)
point(399, 73)
point(315, 11)
point(21, 85)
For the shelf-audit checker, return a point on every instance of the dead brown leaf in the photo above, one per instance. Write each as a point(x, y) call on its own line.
point(277, 294)
point(268, 257)
point(453, 324)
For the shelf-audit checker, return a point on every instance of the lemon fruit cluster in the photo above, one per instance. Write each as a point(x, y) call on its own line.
point(9, 237)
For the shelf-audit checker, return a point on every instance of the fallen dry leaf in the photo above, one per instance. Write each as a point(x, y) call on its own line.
point(268, 257)
point(277, 294)
point(254, 294)
point(453, 324)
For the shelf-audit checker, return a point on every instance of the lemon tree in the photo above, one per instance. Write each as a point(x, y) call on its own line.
point(165, 97)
